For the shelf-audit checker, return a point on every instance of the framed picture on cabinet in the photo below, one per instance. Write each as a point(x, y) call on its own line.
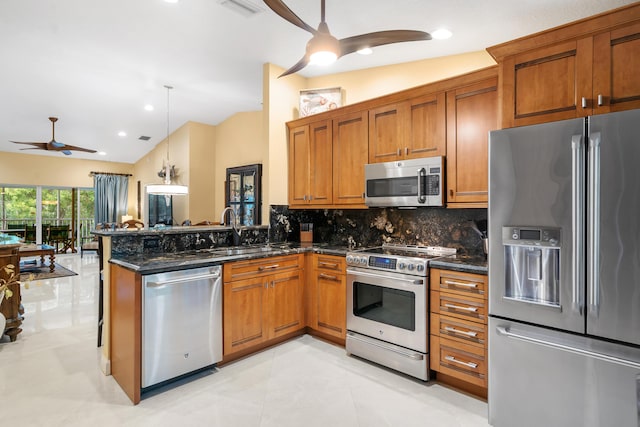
point(313, 101)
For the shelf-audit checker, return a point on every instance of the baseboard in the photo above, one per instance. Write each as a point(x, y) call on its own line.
point(105, 365)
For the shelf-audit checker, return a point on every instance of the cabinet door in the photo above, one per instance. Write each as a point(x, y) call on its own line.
point(332, 296)
point(616, 70)
point(350, 154)
point(245, 312)
point(548, 84)
point(320, 161)
point(285, 303)
point(471, 114)
point(427, 127)
point(298, 165)
point(387, 127)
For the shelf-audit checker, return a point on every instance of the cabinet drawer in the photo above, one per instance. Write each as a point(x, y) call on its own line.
point(460, 307)
point(459, 330)
point(459, 283)
point(263, 266)
point(463, 361)
point(330, 263)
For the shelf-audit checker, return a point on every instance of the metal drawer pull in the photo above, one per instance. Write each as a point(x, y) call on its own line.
point(457, 331)
point(181, 280)
point(457, 307)
point(466, 285)
point(467, 364)
point(327, 264)
point(326, 276)
point(268, 267)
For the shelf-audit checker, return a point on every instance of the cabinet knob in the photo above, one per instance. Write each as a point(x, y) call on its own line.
point(399, 151)
point(451, 192)
point(406, 151)
point(600, 100)
point(584, 102)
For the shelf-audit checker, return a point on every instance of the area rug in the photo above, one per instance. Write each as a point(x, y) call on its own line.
point(41, 271)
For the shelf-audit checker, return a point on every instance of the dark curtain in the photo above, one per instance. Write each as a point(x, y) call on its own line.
point(111, 193)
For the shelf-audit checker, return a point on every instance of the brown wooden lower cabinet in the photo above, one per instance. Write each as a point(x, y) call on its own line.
point(327, 300)
point(262, 301)
point(458, 329)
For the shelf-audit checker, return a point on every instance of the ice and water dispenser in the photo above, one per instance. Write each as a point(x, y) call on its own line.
point(532, 265)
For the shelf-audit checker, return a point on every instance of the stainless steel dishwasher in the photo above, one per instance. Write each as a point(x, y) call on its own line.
point(181, 323)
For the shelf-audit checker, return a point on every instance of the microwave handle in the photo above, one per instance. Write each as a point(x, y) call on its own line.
point(422, 174)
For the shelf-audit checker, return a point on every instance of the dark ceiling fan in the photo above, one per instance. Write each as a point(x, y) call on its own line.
point(53, 145)
point(323, 41)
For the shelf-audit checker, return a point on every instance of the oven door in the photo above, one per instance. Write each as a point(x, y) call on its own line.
point(388, 306)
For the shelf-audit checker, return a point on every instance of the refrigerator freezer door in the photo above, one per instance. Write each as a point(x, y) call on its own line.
point(539, 377)
point(532, 183)
point(613, 288)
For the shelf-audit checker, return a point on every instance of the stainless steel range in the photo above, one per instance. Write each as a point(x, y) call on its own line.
point(387, 314)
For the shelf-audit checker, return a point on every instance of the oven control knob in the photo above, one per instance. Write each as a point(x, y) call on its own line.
point(410, 267)
point(363, 261)
point(420, 267)
point(349, 259)
point(401, 266)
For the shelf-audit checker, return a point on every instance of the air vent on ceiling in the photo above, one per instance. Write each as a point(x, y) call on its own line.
point(144, 138)
point(243, 7)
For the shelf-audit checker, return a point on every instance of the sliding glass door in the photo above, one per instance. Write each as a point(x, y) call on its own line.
point(33, 212)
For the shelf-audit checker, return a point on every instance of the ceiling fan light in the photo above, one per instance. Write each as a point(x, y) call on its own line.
point(323, 49)
point(323, 58)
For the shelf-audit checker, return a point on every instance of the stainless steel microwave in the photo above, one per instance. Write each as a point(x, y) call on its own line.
point(405, 183)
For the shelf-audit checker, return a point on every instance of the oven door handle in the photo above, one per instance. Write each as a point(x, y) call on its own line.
point(378, 276)
point(411, 355)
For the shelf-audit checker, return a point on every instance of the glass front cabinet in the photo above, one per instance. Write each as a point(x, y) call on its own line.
point(243, 193)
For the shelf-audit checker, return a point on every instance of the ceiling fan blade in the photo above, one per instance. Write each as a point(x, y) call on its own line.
point(68, 148)
point(56, 144)
point(299, 66)
point(66, 152)
point(379, 38)
point(37, 145)
point(281, 9)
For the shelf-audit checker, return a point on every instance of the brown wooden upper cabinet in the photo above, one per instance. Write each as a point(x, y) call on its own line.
point(584, 68)
point(350, 154)
point(310, 164)
point(472, 111)
point(408, 129)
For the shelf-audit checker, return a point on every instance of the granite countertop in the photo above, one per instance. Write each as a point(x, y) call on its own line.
point(158, 263)
point(466, 263)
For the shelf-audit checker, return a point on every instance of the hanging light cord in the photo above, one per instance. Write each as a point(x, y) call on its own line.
point(167, 177)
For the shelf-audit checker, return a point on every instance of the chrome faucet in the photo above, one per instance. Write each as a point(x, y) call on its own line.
point(234, 218)
point(234, 223)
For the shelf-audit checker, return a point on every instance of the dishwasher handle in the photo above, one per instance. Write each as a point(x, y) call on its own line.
point(163, 283)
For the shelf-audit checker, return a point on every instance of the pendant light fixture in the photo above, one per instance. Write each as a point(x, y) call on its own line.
point(168, 172)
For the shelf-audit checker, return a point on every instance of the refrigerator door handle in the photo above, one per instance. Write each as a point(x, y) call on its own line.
point(593, 244)
point(501, 330)
point(577, 223)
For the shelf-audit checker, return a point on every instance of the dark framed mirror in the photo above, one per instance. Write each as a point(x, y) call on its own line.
point(243, 193)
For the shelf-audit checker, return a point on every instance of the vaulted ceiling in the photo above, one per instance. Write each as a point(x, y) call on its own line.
point(96, 64)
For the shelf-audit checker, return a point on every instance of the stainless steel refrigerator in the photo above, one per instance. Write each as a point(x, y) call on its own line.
point(564, 273)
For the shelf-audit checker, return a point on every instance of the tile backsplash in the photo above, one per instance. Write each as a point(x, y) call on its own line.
point(361, 228)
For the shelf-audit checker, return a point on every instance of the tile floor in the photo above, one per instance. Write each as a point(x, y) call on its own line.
point(50, 377)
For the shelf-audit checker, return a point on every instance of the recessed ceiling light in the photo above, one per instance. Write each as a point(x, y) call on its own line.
point(365, 51)
point(148, 107)
point(101, 153)
point(122, 134)
point(441, 34)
